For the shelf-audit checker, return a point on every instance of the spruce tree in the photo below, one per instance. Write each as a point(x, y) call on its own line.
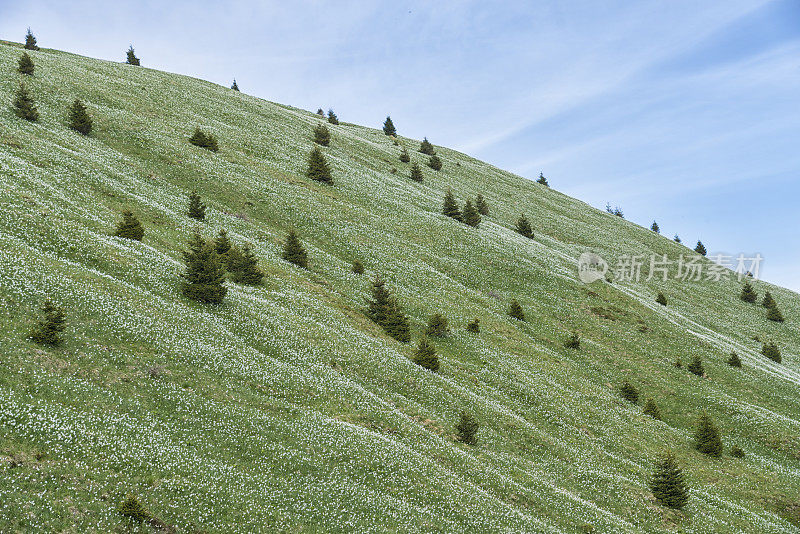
point(748, 293)
point(628, 392)
point(25, 65)
point(471, 216)
point(293, 250)
point(677, 238)
point(435, 163)
point(48, 329)
point(734, 360)
point(737, 452)
point(654, 227)
point(385, 312)
point(416, 172)
point(320, 112)
point(450, 206)
point(332, 118)
point(515, 311)
point(322, 136)
point(132, 59)
point(651, 409)
point(542, 180)
point(426, 147)
point(129, 227)
point(24, 106)
point(700, 248)
point(667, 484)
point(132, 509)
point(706, 436)
point(358, 267)
point(696, 366)
point(474, 326)
point(204, 140)
point(197, 210)
point(437, 326)
point(235, 85)
point(388, 127)
point(318, 169)
point(768, 301)
point(774, 314)
point(480, 203)
point(404, 157)
point(30, 41)
point(243, 266)
point(661, 299)
point(222, 245)
point(79, 119)
point(618, 212)
point(204, 277)
point(771, 351)
point(524, 227)
point(467, 429)
point(573, 341)
point(425, 356)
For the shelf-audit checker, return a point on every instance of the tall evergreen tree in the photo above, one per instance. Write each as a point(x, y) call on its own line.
point(706, 436)
point(771, 351)
point(132, 59)
point(388, 127)
point(235, 85)
point(48, 329)
point(322, 136)
point(30, 41)
point(435, 163)
point(667, 484)
point(404, 157)
point(450, 206)
point(628, 392)
point(437, 326)
point(129, 227)
point(425, 356)
point(748, 293)
point(774, 314)
point(204, 277)
point(25, 65)
point(426, 147)
point(515, 311)
point(661, 299)
point(524, 227)
point(542, 180)
point(651, 409)
point(416, 172)
point(222, 245)
point(243, 266)
point(318, 168)
point(734, 360)
point(385, 311)
point(768, 301)
point(654, 227)
point(293, 251)
point(467, 429)
point(480, 203)
point(696, 366)
point(24, 106)
point(471, 215)
point(79, 119)
point(700, 248)
point(197, 210)
point(332, 118)
point(677, 238)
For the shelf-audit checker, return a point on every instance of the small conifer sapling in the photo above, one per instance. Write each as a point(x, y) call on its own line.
point(542, 180)
point(467, 429)
point(515, 311)
point(474, 326)
point(471, 216)
point(318, 169)
point(425, 356)
point(49, 328)
point(129, 227)
point(24, 105)
point(706, 437)
point(404, 157)
point(696, 366)
point(131, 57)
point(437, 326)
point(628, 392)
point(667, 483)
point(435, 163)
point(416, 172)
point(524, 227)
point(480, 203)
point(322, 136)
point(79, 119)
point(197, 210)
point(30, 41)
point(734, 360)
point(204, 277)
point(25, 65)
point(294, 252)
point(388, 127)
point(651, 409)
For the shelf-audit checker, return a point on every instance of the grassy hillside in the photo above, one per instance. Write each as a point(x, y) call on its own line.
point(286, 409)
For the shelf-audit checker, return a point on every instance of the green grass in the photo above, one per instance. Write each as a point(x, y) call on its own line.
point(285, 409)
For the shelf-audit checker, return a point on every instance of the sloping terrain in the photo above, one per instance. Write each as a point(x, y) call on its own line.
point(285, 408)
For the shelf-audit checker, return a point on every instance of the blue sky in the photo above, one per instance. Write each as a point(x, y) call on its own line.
point(681, 111)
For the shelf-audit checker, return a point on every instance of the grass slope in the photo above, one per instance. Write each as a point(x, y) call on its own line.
point(285, 409)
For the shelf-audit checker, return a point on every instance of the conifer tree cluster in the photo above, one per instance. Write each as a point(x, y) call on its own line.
point(696, 366)
point(651, 409)
point(523, 227)
point(573, 341)
point(405, 157)
point(49, 328)
point(661, 299)
point(425, 356)
point(204, 277)
point(474, 326)
point(706, 437)
point(25, 65)
point(700, 248)
point(467, 429)
point(668, 485)
point(385, 311)
point(748, 293)
point(332, 118)
point(204, 140)
point(480, 203)
point(235, 85)
point(129, 227)
point(437, 326)
point(542, 180)
point(426, 148)
point(416, 172)
point(30, 41)
point(293, 250)
point(654, 227)
point(515, 311)
point(78, 119)
point(435, 163)
point(771, 351)
point(131, 57)
point(318, 169)
point(197, 210)
point(322, 136)
point(628, 392)
point(388, 127)
point(24, 105)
